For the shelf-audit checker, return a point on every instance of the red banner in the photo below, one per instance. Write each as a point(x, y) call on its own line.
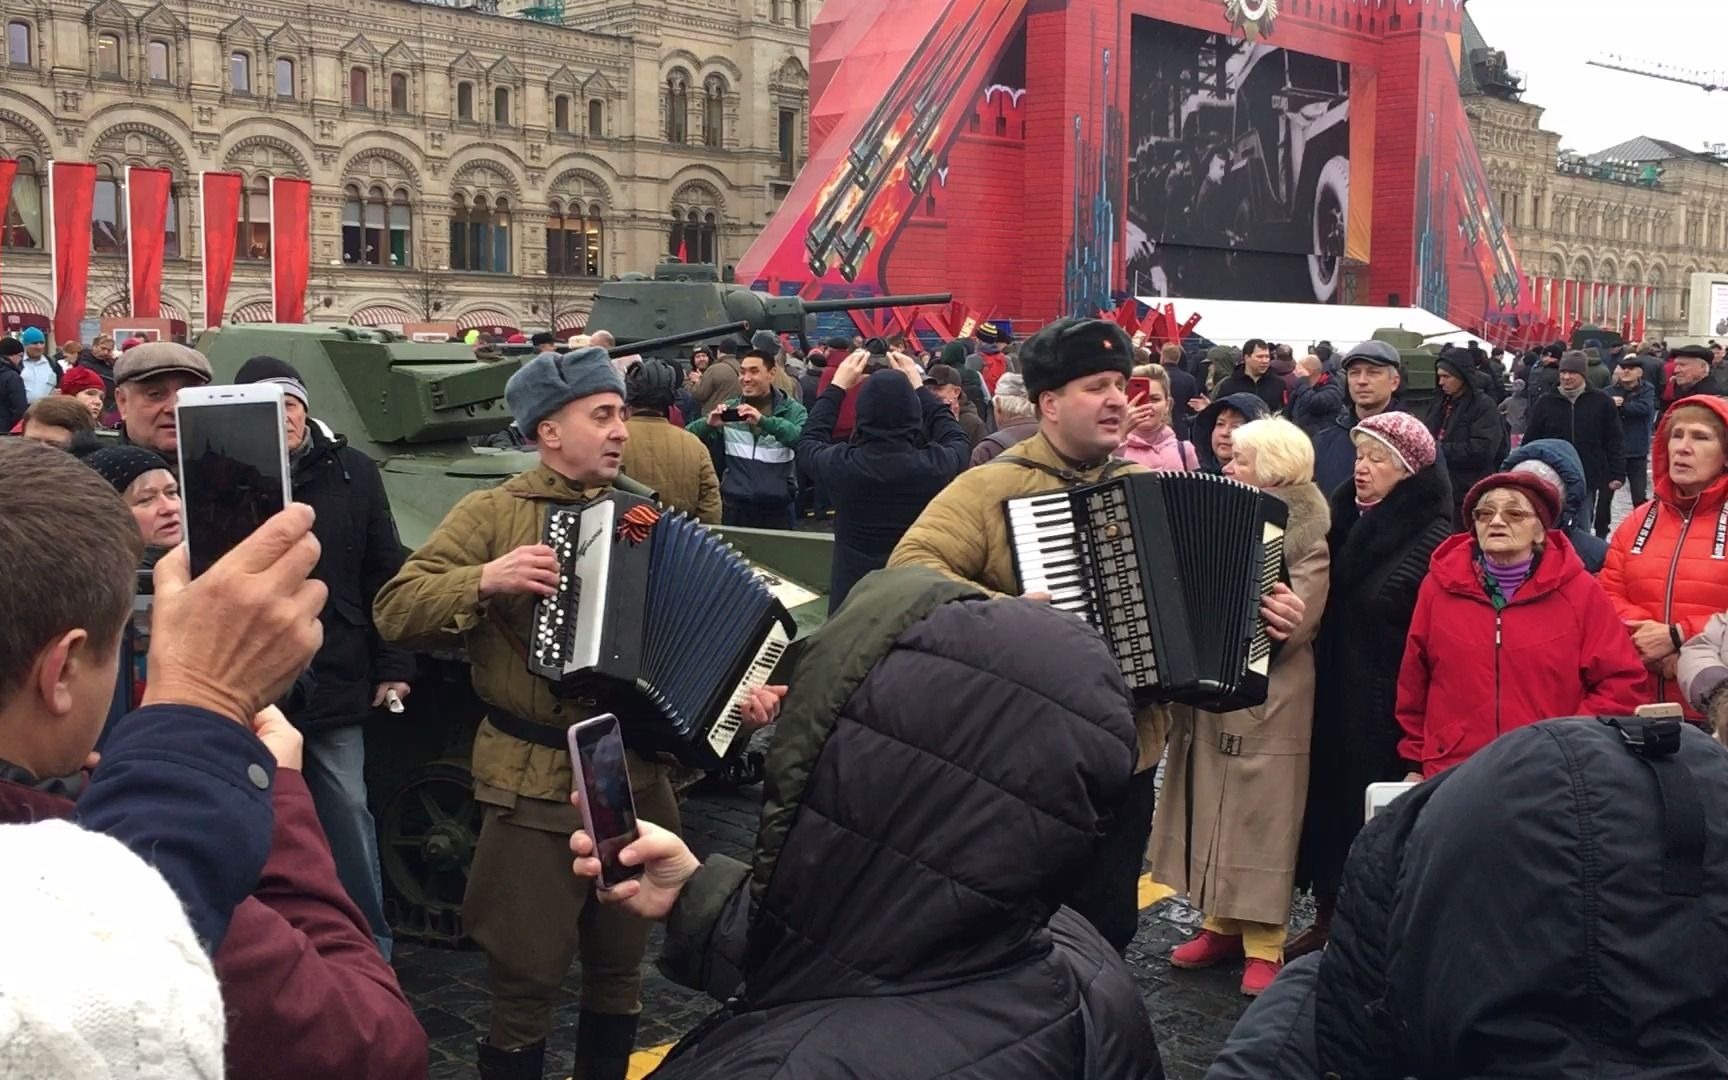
point(219, 196)
point(290, 246)
point(8, 169)
point(147, 193)
point(71, 189)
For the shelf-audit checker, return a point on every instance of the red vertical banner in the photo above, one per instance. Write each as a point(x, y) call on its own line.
point(1644, 316)
point(219, 195)
point(71, 190)
point(147, 193)
point(290, 246)
point(1568, 289)
point(1554, 286)
point(8, 169)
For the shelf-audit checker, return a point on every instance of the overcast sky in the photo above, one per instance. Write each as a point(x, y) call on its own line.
point(1592, 108)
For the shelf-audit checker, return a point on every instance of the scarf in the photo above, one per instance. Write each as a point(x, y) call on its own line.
point(1573, 395)
point(1502, 582)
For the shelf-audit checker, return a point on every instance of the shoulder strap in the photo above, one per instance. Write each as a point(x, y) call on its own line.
point(1067, 476)
point(631, 487)
point(1186, 457)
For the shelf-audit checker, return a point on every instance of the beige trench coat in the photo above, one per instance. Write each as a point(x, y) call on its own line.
point(1228, 824)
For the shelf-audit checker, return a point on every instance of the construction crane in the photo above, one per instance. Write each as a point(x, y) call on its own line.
point(1708, 81)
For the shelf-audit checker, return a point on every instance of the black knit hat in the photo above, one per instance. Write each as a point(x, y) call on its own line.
point(269, 369)
point(1070, 349)
point(10, 346)
point(1451, 361)
point(120, 465)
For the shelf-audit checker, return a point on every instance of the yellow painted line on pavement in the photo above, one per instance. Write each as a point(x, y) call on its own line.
point(643, 1062)
point(1151, 892)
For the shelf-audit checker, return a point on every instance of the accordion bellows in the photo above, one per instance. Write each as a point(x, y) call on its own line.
point(1170, 568)
point(661, 620)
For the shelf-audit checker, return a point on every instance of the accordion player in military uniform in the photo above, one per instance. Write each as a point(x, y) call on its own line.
point(475, 583)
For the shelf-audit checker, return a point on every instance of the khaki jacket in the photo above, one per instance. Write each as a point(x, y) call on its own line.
point(434, 602)
point(1228, 824)
point(718, 384)
point(964, 533)
point(676, 465)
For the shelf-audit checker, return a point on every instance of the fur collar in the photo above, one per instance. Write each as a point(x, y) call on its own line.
point(1410, 509)
point(1310, 518)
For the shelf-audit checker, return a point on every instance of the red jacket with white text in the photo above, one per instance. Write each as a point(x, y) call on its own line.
point(1471, 673)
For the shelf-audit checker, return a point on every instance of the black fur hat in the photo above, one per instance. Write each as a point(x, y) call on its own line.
point(1070, 349)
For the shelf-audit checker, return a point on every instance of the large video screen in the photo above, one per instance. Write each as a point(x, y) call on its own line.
point(1239, 167)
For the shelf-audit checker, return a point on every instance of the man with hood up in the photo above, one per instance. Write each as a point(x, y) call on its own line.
point(1596, 922)
point(1555, 461)
point(1212, 428)
point(1465, 424)
point(354, 671)
point(916, 932)
point(905, 448)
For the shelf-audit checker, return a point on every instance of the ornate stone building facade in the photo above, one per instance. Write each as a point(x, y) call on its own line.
point(1645, 213)
point(477, 167)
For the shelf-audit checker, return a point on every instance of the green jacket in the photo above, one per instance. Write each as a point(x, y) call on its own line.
point(758, 461)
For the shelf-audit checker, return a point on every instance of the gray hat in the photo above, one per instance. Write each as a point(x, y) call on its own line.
point(1574, 361)
point(1010, 385)
point(154, 358)
point(550, 381)
point(1377, 353)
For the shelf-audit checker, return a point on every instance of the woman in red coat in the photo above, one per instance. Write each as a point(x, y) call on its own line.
point(1667, 567)
point(1509, 629)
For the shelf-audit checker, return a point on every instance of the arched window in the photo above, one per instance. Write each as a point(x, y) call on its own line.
point(24, 209)
point(464, 101)
point(401, 230)
point(677, 108)
point(501, 237)
point(156, 59)
point(459, 234)
point(108, 212)
point(18, 43)
point(398, 93)
point(353, 238)
point(285, 82)
point(253, 240)
point(596, 119)
point(798, 13)
point(573, 239)
point(561, 112)
point(713, 111)
point(480, 235)
point(695, 225)
point(108, 56)
point(377, 217)
point(359, 94)
point(240, 73)
point(171, 224)
point(501, 106)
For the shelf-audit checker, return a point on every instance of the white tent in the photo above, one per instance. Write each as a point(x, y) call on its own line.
point(1231, 322)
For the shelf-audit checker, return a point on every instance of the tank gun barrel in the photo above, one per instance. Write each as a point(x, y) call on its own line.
point(865, 303)
point(701, 334)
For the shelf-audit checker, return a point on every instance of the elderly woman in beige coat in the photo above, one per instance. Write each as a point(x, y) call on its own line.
point(1235, 784)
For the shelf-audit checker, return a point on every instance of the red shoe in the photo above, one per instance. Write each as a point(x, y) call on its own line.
point(1206, 949)
point(1258, 975)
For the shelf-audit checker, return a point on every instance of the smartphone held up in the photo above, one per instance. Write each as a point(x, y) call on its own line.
point(608, 805)
point(233, 465)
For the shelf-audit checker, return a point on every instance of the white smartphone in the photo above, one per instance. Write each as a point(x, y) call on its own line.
point(608, 805)
point(233, 465)
point(1380, 796)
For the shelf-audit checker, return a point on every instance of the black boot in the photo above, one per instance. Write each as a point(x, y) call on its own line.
point(603, 1045)
point(523, 1063)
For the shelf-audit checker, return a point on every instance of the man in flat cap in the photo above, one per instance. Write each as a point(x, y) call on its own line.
point(1693, 374)
point(147, 380)
point(474, 582)
point(1076, 375)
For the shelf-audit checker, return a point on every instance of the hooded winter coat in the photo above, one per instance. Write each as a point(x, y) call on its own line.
point(1269, 388)
point(1666, 561)
point(1583, 964)
point(1591, 424)
point(1472, 673)
point(1248, 405)
point(1637, 416)
point(1468, 430)
point(1378, 562)
point(1159, 450)
point(906, 935)
point(905, 449)
point(1228, 824)
point(1316, 402)
point(1558, 455)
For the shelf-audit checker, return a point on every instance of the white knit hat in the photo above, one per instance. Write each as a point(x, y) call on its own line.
point(100, 972)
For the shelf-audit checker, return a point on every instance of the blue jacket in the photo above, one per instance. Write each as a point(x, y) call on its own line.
point(189, 793)
point(1559, 455)
point(756, 466)
point(1637, 417)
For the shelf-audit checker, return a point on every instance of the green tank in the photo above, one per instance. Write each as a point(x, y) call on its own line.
point(413, 408)
point(1419, 386)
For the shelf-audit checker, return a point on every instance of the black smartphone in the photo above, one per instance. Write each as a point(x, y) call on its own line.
point(233, 465)
point(730, 415)
point(608, 805)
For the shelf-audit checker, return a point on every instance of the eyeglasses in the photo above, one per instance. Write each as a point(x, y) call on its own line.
point(1511, 515)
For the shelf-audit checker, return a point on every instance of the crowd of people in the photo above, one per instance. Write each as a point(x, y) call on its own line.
point(964, 796)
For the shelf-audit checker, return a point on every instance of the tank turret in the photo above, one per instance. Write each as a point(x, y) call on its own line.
point(1418, 387)
point(678, 295)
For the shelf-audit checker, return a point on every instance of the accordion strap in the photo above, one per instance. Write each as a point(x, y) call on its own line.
point(1067, 476)
point(510, 638)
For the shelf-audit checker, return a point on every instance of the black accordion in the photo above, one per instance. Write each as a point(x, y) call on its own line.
point(1170, 567)
point(662, 619)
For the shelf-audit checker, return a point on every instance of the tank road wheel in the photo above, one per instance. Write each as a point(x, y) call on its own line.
point(1331, 202)
point(427, 834)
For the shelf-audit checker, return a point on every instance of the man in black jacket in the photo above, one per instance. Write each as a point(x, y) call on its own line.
point(906, 447)
point(1693, 374)
point(354, 671)
point(1587, 418)
point(13, 400)
point(1254, 376)
point(1466, 424)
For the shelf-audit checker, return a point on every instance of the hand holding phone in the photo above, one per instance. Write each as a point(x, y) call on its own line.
point(1139, 388)
point(233, 465)
point(731, 415)
point(666, 862)
point(602, 779)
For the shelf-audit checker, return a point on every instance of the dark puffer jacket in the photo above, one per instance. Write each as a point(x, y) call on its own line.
point(1556, 952)
point(1558, 455)
point(892, 926)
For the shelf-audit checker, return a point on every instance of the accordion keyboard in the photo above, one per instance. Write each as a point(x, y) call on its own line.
point(1126, 617)
point(1046, 544)
point(555, 617)
point(732, 719)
